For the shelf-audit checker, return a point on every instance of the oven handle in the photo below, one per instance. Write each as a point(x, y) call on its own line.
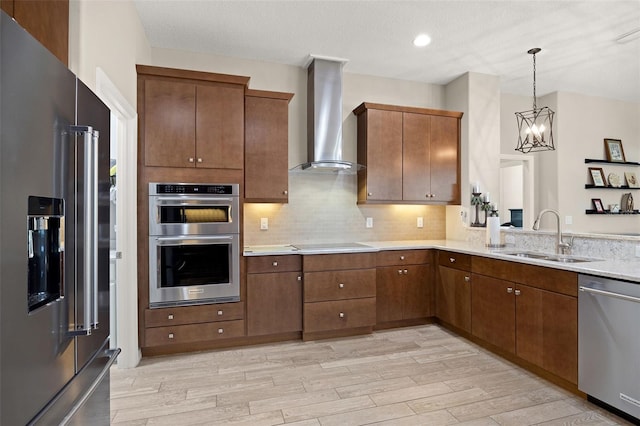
point(184, 201)
point(610, 294)
point(161, 241)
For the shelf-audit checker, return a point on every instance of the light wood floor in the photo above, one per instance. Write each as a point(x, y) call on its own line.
point(414, 376)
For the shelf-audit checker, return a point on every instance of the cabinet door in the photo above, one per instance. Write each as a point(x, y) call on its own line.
point(453, 297)
point(219, 126)
point(416, 176)
point(46, 20)
point(274, 303)
point(445, 165)
point(493, 311)
point(266, 149)
point(389, 294)
point(547, 330)
point(169, 123)
point(384, 155)
point(417, 291)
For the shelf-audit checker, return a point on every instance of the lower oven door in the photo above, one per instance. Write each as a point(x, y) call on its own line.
point(193, 270)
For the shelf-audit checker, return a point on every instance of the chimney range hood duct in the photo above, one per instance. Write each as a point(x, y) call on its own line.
point(324, 119)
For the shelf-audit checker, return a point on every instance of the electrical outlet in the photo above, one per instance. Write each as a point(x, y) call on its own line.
point(568, 220)
point(638, 251)
point(420, 222)
point(264, 223)
point(368, 222)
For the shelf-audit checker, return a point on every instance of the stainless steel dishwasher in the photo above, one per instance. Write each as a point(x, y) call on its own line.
point(609, 342)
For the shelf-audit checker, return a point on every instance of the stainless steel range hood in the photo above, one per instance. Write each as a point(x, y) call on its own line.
point(324, 119)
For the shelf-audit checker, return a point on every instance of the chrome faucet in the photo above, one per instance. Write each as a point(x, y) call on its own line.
point(561, 246)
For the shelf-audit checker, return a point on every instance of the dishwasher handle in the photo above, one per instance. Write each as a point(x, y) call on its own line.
point(610, 294)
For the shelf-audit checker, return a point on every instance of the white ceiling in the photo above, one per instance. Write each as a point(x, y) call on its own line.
point(577, 37)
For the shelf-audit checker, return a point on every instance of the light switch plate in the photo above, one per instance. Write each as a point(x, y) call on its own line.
point(368, 222)
point(264, 223)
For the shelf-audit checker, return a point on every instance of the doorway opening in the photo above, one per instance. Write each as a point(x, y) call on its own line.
point(517, 188)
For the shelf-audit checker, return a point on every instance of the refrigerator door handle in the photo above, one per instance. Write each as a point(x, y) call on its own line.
point(90, 217)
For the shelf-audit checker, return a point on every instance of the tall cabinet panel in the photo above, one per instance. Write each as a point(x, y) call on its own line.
point(416, 156)
point(445, 159)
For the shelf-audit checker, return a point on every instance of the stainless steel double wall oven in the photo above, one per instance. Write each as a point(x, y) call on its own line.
point(194, 244)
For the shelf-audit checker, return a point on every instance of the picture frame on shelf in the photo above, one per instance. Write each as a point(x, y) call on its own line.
point(597, 176)
point(632, 180)
point(615, 152)
point(597, 205)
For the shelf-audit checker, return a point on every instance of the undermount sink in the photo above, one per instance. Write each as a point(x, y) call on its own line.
point(552, 257)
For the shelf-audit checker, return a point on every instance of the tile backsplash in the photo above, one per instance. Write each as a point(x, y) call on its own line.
point(322, 209)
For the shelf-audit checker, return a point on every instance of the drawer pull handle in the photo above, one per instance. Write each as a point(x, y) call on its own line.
point(341, 285)
point(401, 257)
point(170, 335)
point(220, 330)
point(452, 260)
point(509, 290)
point(170, 316)
point(191, 159)
point(275, 263)
point(517, 292)
point(199, 160)
point(467, 279)
point(341, 315)
point(405, 272)
point(220, 313)
point(399, 271)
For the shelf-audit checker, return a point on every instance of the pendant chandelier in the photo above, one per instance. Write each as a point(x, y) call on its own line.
point(535, 127)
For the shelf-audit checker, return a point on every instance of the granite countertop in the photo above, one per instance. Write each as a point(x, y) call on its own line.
point(625, 269)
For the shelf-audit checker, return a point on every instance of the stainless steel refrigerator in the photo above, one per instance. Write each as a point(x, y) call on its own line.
point(54, 240)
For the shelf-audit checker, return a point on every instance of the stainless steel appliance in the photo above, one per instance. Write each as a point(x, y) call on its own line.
point(54, 245)
point(194, 244)
point(608, 343)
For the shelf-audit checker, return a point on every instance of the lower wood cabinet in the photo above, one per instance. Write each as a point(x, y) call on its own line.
point(453, 289)
point(537, 321)
point(274, 295)
point(403, 282)
point(192, 333)
point(339, 294)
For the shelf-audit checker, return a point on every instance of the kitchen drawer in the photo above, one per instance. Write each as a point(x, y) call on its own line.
point(339, 315)
point(193, 314)
point(285, 263)
point(454, 260)
point(338, 285)
point(541, 277)
point(403, 257)
point(334, 262)
point(189, 333)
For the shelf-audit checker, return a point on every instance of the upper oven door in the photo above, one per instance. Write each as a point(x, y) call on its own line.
point(192, 215)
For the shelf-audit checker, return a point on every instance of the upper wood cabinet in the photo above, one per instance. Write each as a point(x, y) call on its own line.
point(46, 20)
point(192, 119)
point(412, 155)
point(266, 146)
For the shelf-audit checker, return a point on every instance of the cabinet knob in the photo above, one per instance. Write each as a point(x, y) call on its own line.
point(341, 285)
point(299, 278)
point(191, 159)
point(405, 272)
point(467, 279)
point(517, 292)
point(341, 314)
point(285, 192)
point(452, 260)
point(220, 330)
point(399, 271)
point(170, 335)
point(369, 194)
point(199, 160)
point(509, 290)
point(170, 316)
point(401, 257)
point(432, 195)
point(275, 263)
point(220, 313)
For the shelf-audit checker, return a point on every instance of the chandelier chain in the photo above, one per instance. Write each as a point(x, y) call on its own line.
point(534, 82)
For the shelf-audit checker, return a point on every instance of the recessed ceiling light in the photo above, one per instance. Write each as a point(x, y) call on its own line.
point(421, 40)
